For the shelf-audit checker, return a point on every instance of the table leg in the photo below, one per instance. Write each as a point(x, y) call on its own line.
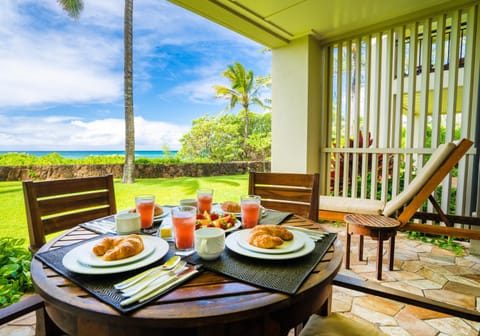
point(379, 256)
point(360, 248)
point(392, 251)
point(347, 252)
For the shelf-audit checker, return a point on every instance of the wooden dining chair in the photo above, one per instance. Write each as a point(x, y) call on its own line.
point(289, 192)
point(53, 206)
point(56, 205)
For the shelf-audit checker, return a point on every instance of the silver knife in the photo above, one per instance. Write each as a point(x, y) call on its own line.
point(180, 278)
point(313, 234)
point(151, 278)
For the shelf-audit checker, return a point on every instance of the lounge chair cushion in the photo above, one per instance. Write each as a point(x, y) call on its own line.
point(351, 205)
point(338, 325)
point(423, 175)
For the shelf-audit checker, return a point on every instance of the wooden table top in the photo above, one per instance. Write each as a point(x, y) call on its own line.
point(373, 221)
point(208, 299)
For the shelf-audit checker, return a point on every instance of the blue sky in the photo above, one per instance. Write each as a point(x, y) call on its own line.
point(61, 80)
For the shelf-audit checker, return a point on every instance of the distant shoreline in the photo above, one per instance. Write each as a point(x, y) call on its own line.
point(84, 154)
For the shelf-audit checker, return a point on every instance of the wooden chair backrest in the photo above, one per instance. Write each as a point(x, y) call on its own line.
point(297, 193)
point(56, 205)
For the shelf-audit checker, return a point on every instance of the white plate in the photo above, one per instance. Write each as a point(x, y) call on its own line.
point(166, 212)
point(217, 208)
point(232, 243)
point(235, 226)
point(168, 223)
point(293, 245)
point(70, 260)
point(88, 258)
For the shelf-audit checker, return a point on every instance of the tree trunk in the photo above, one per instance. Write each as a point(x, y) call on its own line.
point(246, 155)
point(129, 166)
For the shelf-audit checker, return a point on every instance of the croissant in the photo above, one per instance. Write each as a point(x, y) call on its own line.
point(263, 240)
point(115, 248)
point(230, 206)
point(106, 244)
point(269, 236)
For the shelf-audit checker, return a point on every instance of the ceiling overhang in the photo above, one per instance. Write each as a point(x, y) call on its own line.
point(274, 23)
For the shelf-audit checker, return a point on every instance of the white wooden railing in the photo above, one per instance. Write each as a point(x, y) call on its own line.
point(378, 86)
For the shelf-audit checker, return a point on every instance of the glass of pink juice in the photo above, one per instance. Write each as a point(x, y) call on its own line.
point(183, 219)
point(145, 205)
point(204, 200)
point(250, 210)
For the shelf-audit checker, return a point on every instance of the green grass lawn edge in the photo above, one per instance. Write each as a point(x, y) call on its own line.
point(168, 191)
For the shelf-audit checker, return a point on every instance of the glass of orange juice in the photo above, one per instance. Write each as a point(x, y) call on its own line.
point(145, 205)
point(183, 219)
point(250, 210)
point(204, 200)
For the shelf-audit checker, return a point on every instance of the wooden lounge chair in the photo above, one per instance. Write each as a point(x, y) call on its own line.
point(297, 193)
point(404, 206)
point(54, 206)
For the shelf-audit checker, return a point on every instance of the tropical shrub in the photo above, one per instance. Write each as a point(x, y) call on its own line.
point(14, 270)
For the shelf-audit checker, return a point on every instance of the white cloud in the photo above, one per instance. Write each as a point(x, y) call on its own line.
point(71, 133)
point(50, 64)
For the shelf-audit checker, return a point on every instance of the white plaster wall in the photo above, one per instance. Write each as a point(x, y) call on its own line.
point(296, 91)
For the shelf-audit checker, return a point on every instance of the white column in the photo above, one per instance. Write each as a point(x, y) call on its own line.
point(296, 106)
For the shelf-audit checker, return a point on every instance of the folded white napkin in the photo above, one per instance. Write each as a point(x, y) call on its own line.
point(103, 225)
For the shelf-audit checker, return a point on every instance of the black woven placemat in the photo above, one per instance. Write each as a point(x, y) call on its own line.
point(285, 276)
point(274, 217)
point(100, 286)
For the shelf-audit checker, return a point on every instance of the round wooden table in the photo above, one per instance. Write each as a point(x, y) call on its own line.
point(210, 304)
point(377, 227)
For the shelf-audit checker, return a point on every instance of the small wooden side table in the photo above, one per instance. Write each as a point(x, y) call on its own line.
point(378, 228)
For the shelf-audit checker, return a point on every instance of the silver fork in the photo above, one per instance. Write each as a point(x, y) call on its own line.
point(151, 278)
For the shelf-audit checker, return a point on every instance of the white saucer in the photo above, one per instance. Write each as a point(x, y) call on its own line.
point(88, 258)
point(71, 263)
point(293, 245)
point(231, 242)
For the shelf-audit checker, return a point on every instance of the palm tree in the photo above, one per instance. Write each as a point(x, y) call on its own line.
point(244, 90)
point(129, 166)
point(73, 9)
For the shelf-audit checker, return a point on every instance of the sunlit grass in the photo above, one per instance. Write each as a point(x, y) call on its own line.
point(168, 191)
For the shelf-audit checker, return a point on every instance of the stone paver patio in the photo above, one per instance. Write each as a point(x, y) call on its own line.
point(420, 268)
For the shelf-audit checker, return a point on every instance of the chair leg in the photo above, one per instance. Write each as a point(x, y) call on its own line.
point(44, 326)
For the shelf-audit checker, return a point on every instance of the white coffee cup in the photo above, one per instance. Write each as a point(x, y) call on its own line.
point(209, 242)
point(127, 222)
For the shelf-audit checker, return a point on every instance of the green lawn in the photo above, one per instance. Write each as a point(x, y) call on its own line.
point(167, 191)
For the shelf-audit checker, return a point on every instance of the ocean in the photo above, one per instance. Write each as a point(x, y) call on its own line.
point(84, 154)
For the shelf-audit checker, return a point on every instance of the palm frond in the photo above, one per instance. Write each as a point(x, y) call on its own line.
point(72, 7)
